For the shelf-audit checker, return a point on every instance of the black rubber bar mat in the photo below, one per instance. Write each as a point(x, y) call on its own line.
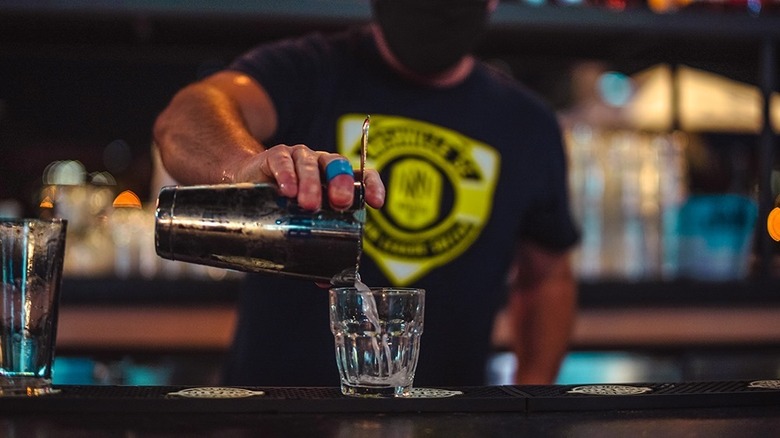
point(548, 398)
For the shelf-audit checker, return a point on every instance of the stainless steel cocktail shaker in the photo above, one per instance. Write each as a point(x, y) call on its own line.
point(251, 228)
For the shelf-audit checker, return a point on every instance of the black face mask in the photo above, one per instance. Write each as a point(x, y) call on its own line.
point(431, 36)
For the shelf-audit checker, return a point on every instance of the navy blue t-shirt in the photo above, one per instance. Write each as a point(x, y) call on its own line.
point(470, 170)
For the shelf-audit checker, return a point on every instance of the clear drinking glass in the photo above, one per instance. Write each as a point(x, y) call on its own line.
point(31, 257)
point(377, 336)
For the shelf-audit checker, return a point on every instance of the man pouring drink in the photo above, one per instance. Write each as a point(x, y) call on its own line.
point(465, 184)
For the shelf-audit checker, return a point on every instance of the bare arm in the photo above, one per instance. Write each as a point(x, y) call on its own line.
point(214, 131)
point(541, 309)
point(203, 132)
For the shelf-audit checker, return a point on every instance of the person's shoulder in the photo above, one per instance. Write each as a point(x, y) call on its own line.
point(348, 37)
point(501, 84)
point(498, 73)
point(318, 44)
point(311, 48)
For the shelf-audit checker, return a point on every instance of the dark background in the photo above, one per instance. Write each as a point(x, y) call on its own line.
point(85, 80)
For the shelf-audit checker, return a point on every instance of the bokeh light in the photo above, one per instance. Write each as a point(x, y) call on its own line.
point(66, 173)
point(127, 199)
point(615, 88)
point(102, 179)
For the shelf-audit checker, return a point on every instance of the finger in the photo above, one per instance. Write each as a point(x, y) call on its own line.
point(309, 186)
point(341, 192)
point(278, 165)
point(375, 189)
point(339, 177)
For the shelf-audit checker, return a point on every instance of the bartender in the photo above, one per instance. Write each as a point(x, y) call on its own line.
point(468, 188)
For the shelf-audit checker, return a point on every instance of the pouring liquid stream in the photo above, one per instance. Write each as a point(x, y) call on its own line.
point(369, 309)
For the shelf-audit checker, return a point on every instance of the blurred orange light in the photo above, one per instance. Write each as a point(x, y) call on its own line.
point(773, 224)
point(127, 199)
point(46, 203)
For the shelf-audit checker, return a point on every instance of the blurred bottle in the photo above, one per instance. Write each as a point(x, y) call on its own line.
point(672, 193)
point(587, 183)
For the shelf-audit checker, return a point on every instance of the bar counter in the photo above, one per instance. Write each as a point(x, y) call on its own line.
point(722, 409)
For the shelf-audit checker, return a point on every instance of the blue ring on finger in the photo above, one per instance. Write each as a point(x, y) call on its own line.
point(338, 167)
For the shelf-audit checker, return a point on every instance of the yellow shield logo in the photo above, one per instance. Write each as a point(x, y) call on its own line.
point(440, 187)
point(416, 191)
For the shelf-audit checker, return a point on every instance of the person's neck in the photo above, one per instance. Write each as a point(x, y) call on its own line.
point(448, 78)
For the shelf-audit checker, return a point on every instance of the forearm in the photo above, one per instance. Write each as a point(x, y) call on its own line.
point(545, 330)
point(542, 308)
point(202, 136)
point(213, 132)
